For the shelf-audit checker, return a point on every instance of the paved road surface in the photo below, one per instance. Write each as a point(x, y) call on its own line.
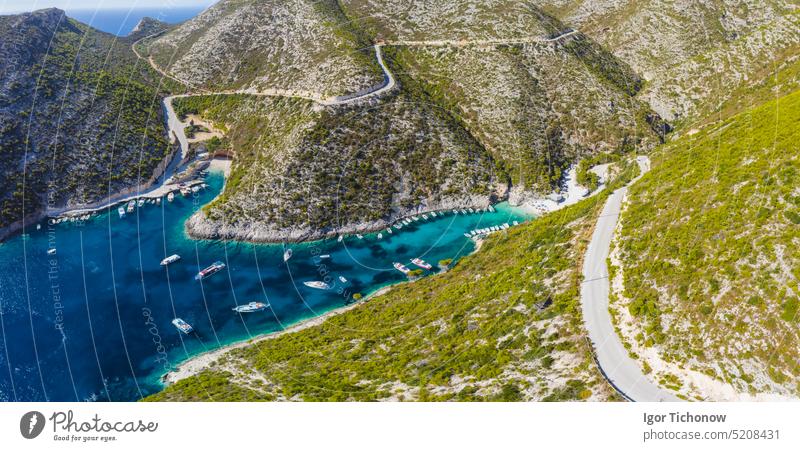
point(619, 368)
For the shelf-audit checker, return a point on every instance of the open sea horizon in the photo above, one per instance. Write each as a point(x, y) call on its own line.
point(121, 22)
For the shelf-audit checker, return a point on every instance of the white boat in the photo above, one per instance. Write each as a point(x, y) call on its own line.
point(468, 235)
point(415, 218)
point(182, 325)
point(121, 212)
point(318, 285)
point(463, 212)
point(425, 217)
point(213, 269)
point(341, 237)
point(324, 256)
point(360, 237)
point(401, 267)
point(158, 201)
point(140, 203)
point(389, 230)
point(380, 236)
point(251, 307)
point(171, 196)
point(287, 255)
point(398, 226)
point(421, 263)
point(51, 251)
point(455, 212)
point(516, 223)
point(131, 204)
point(433, 213)
point(171, 259)
point(342, 279)
point(491, 208)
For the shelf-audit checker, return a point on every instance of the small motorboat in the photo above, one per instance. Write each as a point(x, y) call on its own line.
point(182, 325)
point(171, 259)
point(287, 255)
point(318, 285)
point(251, 307)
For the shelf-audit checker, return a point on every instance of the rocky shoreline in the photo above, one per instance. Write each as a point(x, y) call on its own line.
point(200, 227)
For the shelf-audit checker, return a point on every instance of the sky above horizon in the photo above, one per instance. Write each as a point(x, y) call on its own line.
point(15, 6)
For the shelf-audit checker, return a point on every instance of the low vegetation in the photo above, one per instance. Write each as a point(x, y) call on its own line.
point(80, 118)
point(710, 251)
point(484, 330)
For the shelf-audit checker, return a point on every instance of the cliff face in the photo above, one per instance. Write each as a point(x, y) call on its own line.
point(306, 46)
point(80, 118)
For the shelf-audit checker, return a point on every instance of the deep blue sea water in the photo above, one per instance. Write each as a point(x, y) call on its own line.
point(121, 21)
point(93, 321)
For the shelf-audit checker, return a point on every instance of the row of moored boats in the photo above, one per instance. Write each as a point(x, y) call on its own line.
point(405, 222)
point(477, 233)
point(183, 189)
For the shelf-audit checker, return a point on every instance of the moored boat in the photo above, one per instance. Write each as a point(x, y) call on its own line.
point(182, 325)
point(421, 263)
point(317, 284)
point(251, 307)
point(170, 196)
point(171, 259)
point(213, 269)
point(342, 279)
point(121, 212)
point(401, 267)
point(287, 255)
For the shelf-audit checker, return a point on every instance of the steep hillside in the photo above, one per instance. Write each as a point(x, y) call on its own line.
point(692, 53)
point(709, 255)
point(302, 173)
point(503, 324)
point(513, 98)
point(80, 117)
point(431, 20)
point(306, 46)
point(481, 113)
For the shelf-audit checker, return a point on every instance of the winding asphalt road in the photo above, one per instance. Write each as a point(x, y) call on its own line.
point(623, 372)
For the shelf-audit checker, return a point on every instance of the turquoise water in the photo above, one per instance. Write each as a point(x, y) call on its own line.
point(93, 321)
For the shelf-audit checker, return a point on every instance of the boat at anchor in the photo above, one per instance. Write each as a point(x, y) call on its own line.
point(318, 285)
point(421, 263)
point(213, 269)
point(251, 307)
point(182, 325)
